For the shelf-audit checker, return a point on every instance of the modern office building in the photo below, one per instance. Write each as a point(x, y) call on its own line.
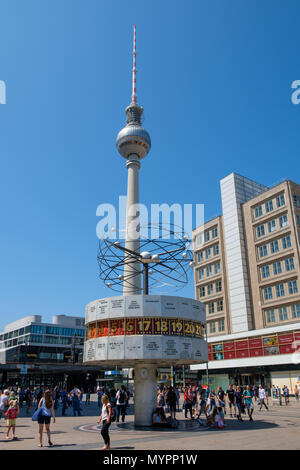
point(36, 353)
point(247, 273)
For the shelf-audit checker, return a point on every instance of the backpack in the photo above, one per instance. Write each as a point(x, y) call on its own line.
point(122, 397)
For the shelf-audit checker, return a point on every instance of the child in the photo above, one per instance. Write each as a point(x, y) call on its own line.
point(11, 413)
point(219, 418)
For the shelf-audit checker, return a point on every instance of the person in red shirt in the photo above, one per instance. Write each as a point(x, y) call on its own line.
point(11, 414)
point(187, 397)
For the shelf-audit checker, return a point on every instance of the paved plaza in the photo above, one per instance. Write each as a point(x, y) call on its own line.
point(275, 429)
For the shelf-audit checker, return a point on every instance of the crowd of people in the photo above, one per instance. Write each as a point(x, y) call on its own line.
point(44, 403)
point(197, 401)
point(214, 405)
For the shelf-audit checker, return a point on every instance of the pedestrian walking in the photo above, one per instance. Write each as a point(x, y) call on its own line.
point(4, 402)
point(296, 393)
point(28, 399)
point(177, 392)
point(11, 413)
point(248, 396)
point(64, 400)
point(262, 397)
point(75, 394)
point(188, 403)
point(286, 394)
point(221, 399)
point(231, 400)
point(88, 398)
point(105, 419)
point(121, 398)
point(239, 402)
point(171, 402)
point(212, 400)
point(202, 404)
point(47, 405)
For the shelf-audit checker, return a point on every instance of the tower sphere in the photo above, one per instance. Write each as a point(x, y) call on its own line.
point(133, 138)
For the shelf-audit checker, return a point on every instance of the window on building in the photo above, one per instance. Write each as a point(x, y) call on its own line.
point(214, 232)
point(260, 230)
point(37, 329)
point(269, 206)
point(268, 293)
point(220, 305)
point(293, 287)
point(274, 246)
point(52, 330)
point(211, 307)
point(210, 289)
point(198, 239)
point(200, 256)
point(286, 242)
point(280, 201)
point(296, 311)
point(272, 226)
point(277, 268)
point(270, 316)
point(258, 211)
point(280, 290)
point(51, 339)
point(265, 272)
point(218, 286)
point(208, 270)
point(283, 221)
point(216, 250)
point(206, 236)
point(217, 268)
point(202, 291)
point(221, 325)
point(212, 327)
point(296, 199)
point(289, 264)
point(200, 274)
point(36, 338)
point(298, 219)
point(208, 253)
point(263, 251)
point(282, 313)
point(67, 331)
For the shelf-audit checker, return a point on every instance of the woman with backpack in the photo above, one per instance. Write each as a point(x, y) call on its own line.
point(122, 398)
point(105, 419)
point(47, 405)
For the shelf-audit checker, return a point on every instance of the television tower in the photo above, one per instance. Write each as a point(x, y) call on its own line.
point(133, 143)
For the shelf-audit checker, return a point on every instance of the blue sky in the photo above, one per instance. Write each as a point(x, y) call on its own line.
point(214, 78)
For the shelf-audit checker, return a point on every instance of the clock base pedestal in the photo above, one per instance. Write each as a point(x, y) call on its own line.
point(145, 394)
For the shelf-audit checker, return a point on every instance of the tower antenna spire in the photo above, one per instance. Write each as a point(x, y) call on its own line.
point(133, 96)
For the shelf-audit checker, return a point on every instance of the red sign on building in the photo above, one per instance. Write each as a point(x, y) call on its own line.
point(286, 339)
point(255, 343)
point(256, 352)
point(242, 353)
point(229, 355)
point(241, 344)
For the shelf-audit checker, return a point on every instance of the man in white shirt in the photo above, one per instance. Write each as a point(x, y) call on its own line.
point(3, 403)
point(262, 396)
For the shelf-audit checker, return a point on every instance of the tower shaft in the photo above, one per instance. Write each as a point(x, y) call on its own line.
point(132, 284)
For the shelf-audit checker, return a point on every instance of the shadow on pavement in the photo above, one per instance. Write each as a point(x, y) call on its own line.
point(195, 426)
